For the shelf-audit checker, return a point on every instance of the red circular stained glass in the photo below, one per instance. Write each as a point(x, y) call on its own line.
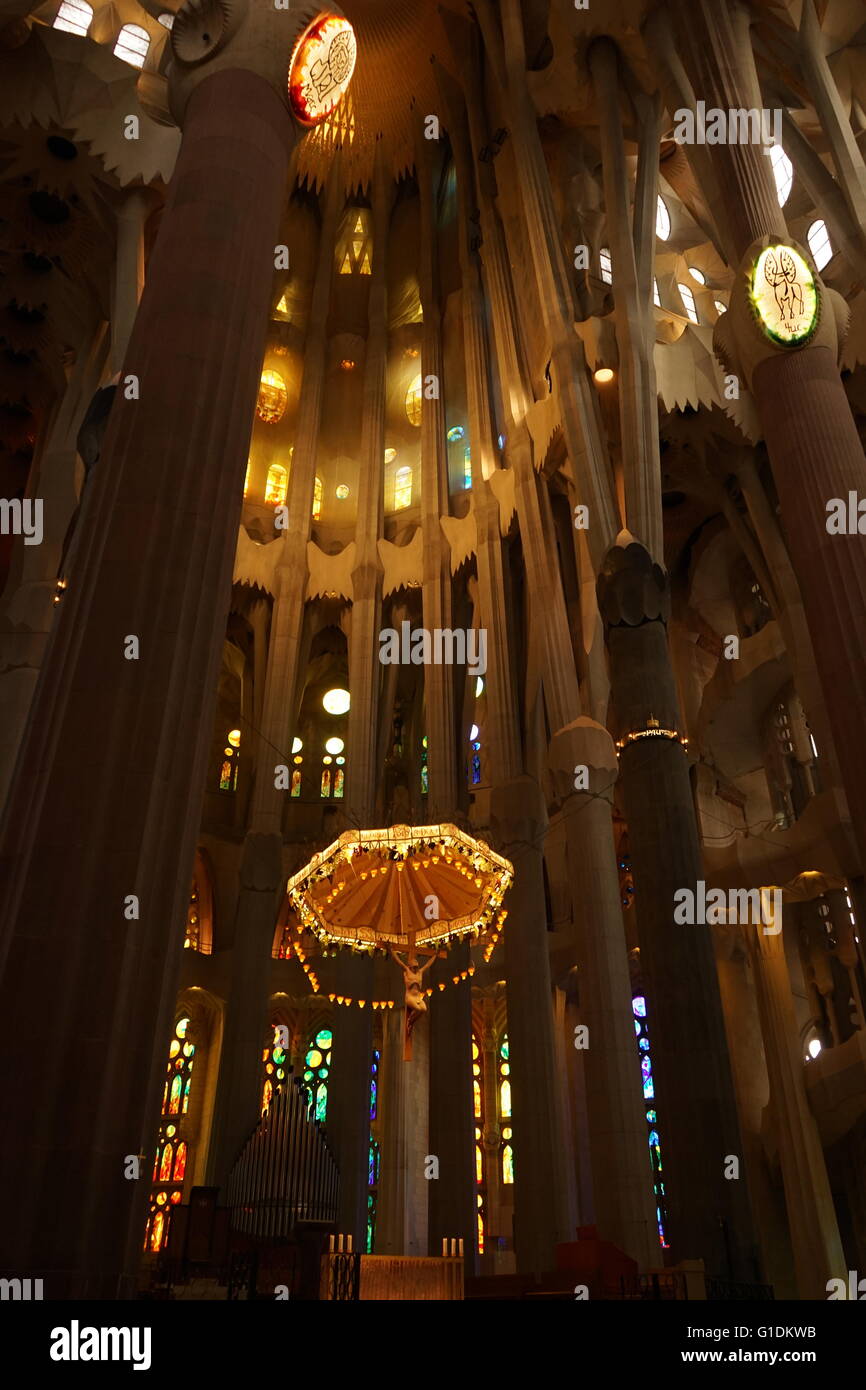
point(321, 68)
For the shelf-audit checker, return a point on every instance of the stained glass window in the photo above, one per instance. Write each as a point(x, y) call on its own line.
point(638, 1005)
point(273, 398)
point(373, 1158)
point(425, 771)
point(339, 782)
point(230, 763)
point(317, 1065)
point(402, 488)
point(296, 782)
point(467, 467)
point(476, 1079)
point(275, 1068)
point(277, 485)
point(192, 940)
point(171, 1158)
point(480, 1156)
point(414, 399)
point(374, 1084)
point(326, 781)
point(318, 495)
point(475, 764)
point(507, 1152)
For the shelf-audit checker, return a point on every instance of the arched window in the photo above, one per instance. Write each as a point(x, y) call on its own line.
point(275, 1066)
point(355, 249)
point(689, 302)
point(425, 771)
point(480, 1156)
point(231, 762)
point(74, 16)
point(296, 779)
point(132, 45)
point(373, 1158)
point(663, 220)
point(467, 467)
point(172, 1151)
point(477, 1093)
point(277, 485)
point(638, 1005)
point(414, 400)
point(506, 1150)
point(317, 1065)
point(402, 488)
point(783, 173)
point(318, 495)
point(273, 398)
point(605, 265)
point(819, 244)
point(657, 301)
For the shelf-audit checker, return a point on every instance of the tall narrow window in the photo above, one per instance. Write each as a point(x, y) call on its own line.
point(689, 302)
point(467, 467)
point(783, 172)
point(425, 771)
point(663, 220)
point(640, 1026)
point(414, 398)
point(231, 762)
point(373, 1158)
point(273, 398)
point(318, 495)
point(275, 1067)
point(74, 16)
point(277, 486)
point(819, 244)
point(326, 782)
point(132, 45)
point(172, 1151)
point(402, 488)
point(317, 1066)
point(480, 1156)
point(605, 265)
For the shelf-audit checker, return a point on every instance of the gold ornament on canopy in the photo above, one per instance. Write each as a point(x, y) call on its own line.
point(413, 891)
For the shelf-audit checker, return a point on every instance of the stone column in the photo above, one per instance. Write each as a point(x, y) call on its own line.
point(542, 1210)
point(812, 440)
point(128, 283)
point(818, 1254)
point(621, 1171)
point(401, 1223)
point(696, 1104)
point(103, 811)
point(452, 1198)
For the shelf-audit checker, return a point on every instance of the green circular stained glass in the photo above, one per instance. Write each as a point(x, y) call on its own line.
point(784, 295)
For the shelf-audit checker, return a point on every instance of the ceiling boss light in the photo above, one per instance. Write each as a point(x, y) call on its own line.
point(321, 68)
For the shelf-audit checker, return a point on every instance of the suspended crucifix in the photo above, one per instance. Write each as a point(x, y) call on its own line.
point(411, 892)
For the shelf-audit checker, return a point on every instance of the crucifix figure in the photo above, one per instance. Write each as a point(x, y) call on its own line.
point(414, 998)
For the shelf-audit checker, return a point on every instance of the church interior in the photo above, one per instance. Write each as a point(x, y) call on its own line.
point(433, 649)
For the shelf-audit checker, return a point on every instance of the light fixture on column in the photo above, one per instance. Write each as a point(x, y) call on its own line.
point(321, 68)
point(603, 376)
